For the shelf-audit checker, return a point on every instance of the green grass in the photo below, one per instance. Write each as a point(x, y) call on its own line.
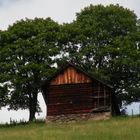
point(124, 128)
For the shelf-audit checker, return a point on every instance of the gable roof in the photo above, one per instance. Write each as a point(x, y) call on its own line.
point(68, 64)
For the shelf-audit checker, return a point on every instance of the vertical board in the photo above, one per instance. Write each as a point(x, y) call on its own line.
point(70, 76)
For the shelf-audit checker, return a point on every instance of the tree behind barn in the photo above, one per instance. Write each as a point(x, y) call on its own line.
point(103, 39)
point(29, 49)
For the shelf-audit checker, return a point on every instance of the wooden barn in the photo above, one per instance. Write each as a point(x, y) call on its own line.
point(73, 91)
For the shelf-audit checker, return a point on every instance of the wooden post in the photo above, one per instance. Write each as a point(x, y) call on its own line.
point(98, 94)
point(139, 110)
point(104, 96)
point(109, 98)
point(132, 112)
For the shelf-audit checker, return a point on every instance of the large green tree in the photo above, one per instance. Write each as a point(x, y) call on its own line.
point(134, 88)
point(29, 52)
point(104, 40)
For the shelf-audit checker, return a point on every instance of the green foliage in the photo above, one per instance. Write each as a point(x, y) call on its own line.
point(29, 51)
point(104, 40)
point(3, 96)
point(3, 74)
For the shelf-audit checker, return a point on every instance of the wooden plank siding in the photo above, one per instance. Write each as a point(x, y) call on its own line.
point(69, 98)
point(70, 76)
point(76, 98)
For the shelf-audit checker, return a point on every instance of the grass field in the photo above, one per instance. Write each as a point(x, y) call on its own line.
point(125, 128)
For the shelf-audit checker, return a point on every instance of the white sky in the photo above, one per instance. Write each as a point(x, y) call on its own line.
point(60, 11)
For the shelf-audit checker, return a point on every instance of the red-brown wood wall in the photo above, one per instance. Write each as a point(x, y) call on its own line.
point(70, 76)
point(70, 98)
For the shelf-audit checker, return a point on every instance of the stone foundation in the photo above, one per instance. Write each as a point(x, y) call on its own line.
point(79, 117)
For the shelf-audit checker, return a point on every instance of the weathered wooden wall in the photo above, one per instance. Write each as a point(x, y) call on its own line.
point(101, 96)
point(70, 76)
point(76, 98)
point(67, 99)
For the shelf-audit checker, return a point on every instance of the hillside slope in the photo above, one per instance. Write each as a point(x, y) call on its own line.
point(113, 129)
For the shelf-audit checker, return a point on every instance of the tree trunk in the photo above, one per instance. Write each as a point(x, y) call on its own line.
point(32, 105)
point(115, 106)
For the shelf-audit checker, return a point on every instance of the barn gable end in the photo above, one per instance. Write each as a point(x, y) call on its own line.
point(70, 76)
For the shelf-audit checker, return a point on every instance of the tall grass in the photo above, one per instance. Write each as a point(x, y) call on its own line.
point(125, 128)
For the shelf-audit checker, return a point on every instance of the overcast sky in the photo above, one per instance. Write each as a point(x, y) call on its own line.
point(59, 10)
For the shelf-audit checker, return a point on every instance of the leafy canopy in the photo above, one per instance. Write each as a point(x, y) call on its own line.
point(29, 52)
point(105, 41)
